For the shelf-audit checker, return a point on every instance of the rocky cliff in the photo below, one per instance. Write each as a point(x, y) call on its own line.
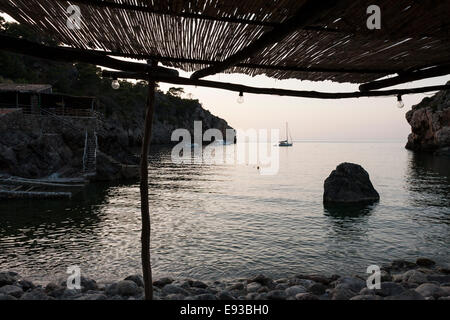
point(430, 124)
point(36, 146)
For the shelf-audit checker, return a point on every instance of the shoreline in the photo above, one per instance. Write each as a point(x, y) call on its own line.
point(400, 280)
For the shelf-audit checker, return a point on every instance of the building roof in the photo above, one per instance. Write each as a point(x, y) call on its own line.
point(318, 40)
point(24, 87)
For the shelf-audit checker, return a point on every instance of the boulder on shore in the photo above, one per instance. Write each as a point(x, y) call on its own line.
point(349, 184)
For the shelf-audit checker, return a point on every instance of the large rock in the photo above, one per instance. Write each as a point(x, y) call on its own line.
point(127, 288)
point(136, 278)
point(431, 290)
point(349, 184)
point(406, 295)
point(6, 278)
point(430, 124)
point(174, 289)
point(11, 290)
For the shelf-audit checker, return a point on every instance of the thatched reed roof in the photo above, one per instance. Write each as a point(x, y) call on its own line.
point(335, 44)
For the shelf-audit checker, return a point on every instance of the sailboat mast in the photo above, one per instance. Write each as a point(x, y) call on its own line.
point(287, 137)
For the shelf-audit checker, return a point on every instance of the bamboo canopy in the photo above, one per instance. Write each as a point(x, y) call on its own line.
point(300, 39)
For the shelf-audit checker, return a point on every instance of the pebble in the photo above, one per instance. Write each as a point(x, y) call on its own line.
point(225, 295)
point(237, 286)
point(136, 278)
point(35, 294)
point(263, 280)
point(431, 290)
point(199, 284)
point(7, 278)
point(306, 296)
point(317, 289)
point(422, 280)
point(366, 297)
point(11, 290)
point(88, 284)
point(342, 293)
point(293, 291)
point(26, 285)
point(171, 289)
point(407, 295)
point(281, 286)
point(354, 284)
point(206, 296)
point(414, 276)
point(175, 296)
point(162, 282)
point(251, 296)
point(424, 262)
point(127, 288)
point(276, 295)
point(96, 296)
point(5, 297)
point(253, 287)
point(387, 289)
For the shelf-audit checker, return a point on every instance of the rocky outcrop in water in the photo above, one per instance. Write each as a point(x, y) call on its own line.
point(430, 125)
point(349, 184)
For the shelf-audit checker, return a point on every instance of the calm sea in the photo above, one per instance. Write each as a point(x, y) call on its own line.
point(228, 221)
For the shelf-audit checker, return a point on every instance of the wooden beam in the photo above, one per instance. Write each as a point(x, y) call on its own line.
point(406, 77)
point(271, 91)
point(37, 50)
point(254, 65)
point(68, 54)
point(307, 14)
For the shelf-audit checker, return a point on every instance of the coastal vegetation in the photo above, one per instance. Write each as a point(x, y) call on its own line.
point(121, 112)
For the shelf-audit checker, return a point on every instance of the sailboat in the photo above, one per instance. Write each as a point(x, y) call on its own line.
point(286, 142)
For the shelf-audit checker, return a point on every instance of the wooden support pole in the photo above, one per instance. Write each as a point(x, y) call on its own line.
point(145, 211)
point(273, 91)
point(308, 13)
point(406, 77)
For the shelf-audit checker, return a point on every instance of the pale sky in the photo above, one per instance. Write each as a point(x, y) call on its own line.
point(310, 119)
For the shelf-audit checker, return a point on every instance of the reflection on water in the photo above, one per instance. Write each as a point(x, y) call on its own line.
point(348, 210)
point(227, 221)
point(429, 180)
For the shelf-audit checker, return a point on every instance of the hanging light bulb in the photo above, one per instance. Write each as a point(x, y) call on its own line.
point(115, 84)
point(240, 99)
point(400, 103)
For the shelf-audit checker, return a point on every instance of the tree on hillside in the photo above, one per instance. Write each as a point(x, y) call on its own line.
point(176, 92)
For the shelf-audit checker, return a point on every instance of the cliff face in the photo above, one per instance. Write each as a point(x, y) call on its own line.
point(35, 147)
point(126, 123)
point(430, 125)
